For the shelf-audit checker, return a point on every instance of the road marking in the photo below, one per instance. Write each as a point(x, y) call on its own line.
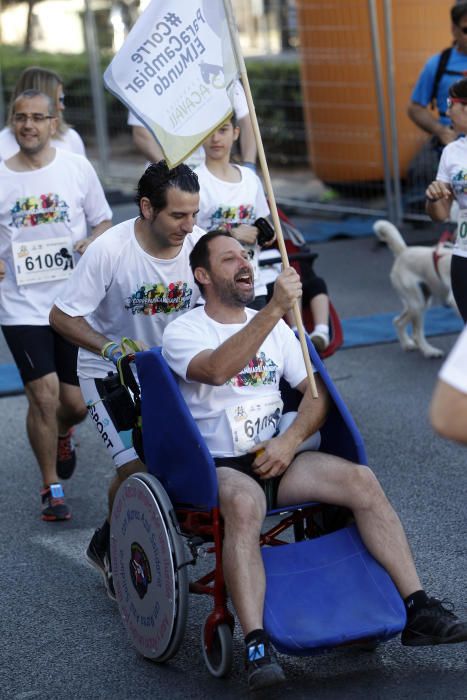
point(70, 544)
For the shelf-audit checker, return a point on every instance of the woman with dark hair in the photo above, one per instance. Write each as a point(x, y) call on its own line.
point(49, 83)
point(451, 185)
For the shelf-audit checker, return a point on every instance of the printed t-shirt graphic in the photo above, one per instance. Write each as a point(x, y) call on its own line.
point(43, 214)
point(157, 298)
point(124, 291)
point(260, 371)
point(33, 210)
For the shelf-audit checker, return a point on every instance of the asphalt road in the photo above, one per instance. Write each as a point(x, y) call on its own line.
point(61, 637)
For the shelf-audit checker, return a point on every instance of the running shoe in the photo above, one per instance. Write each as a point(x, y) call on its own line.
point(262, 666)
point(98, 555)
point(434, 624)
point(320, 340)
point(66, 455)
point(53, 503)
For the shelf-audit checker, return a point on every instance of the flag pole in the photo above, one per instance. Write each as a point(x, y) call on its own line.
point(268, 185)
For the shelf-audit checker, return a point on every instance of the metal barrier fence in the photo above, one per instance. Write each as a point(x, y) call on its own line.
point(331, 83)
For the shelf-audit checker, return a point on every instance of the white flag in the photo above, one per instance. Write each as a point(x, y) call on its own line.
point(175, 71)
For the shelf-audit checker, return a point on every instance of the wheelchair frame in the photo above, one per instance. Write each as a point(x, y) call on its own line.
point(163, 520)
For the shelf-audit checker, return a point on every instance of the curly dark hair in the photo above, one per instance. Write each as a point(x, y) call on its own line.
point(158, 177)
point(459, 89)
point(458, 11)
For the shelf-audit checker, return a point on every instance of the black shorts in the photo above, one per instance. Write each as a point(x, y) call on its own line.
point(459, 283)
point(39, 350)
point(312, 285)
point(243, 464)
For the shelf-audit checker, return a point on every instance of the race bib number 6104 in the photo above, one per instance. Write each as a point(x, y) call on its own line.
point(44, 260)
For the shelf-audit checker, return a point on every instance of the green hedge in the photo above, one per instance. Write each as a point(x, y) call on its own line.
point(275, 86)
point(276, 90)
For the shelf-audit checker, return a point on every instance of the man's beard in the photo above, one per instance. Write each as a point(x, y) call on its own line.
point(230, 295)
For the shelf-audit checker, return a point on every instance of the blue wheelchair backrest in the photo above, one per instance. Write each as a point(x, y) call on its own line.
point(175, 451)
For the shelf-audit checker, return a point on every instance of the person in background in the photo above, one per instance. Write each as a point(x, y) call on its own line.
point(49, 83)
point(431, 89)
point(448, 410)
point(419, 109)
point(451, 185)
point(232, 198)
point(48, 199)
point(148, 146)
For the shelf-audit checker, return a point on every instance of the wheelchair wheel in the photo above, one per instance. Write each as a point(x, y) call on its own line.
point(220, 657)
point(150, 579)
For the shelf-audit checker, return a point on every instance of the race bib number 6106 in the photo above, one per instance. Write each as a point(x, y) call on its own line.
point(44, 260)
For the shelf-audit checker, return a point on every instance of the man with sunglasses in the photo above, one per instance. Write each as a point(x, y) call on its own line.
point(48, 198)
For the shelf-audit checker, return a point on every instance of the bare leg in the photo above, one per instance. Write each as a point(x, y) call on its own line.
point(319, 306)
point(243, 507)
point(41, 423)
point(329, 479)
point(71, 409)
point(45, 396)
point(123, 473)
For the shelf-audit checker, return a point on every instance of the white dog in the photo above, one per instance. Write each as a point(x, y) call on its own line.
point(418, 273)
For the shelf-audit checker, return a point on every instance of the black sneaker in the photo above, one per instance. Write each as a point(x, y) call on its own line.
point(53, 502)
point(66, 455)
point(433, 624)
point(262, 666)
point(98, 555)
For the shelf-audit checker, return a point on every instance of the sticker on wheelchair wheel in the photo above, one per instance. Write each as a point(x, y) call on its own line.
point(143, 569)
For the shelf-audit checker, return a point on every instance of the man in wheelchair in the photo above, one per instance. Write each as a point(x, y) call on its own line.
point(235, 400)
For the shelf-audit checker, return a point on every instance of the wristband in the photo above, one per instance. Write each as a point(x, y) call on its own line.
point(111, 351)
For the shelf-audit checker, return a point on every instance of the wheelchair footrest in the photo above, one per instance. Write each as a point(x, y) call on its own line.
point(327, 592)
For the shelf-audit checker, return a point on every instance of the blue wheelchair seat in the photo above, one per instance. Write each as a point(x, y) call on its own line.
point(320, 593)
point(328, 592)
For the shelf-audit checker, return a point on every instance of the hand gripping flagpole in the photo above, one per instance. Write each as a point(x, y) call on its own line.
point(268, 186)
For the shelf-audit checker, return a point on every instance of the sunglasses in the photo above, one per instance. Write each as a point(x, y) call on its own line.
point(61, 99)
point(452, 100)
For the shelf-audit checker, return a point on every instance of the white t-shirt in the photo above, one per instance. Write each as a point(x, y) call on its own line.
point(69, 141)
point(240, 108)
point(453, 171)
point(269, 273)
point(454, 369)
point(36, 207)
point(124, 291)
point(279, 356)
point(232, 203)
